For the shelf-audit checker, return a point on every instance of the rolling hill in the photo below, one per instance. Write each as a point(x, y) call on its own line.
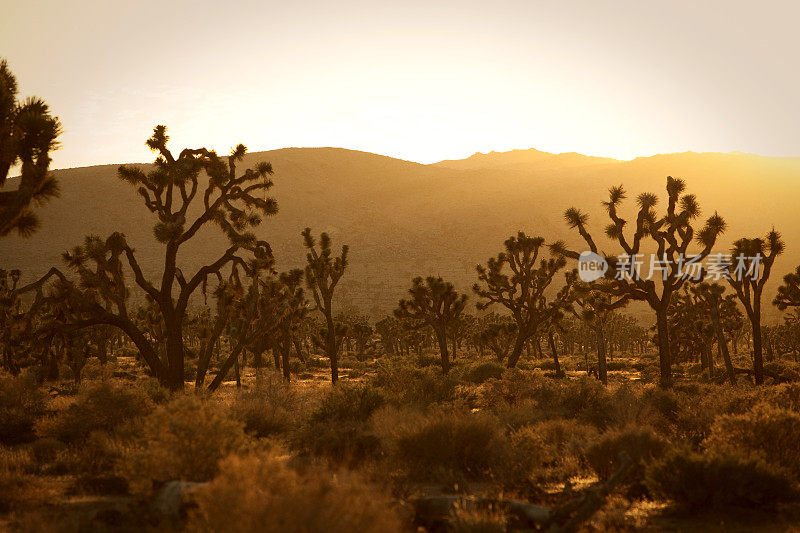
point(403, 219)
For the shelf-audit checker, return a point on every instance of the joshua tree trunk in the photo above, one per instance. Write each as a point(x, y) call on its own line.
point(552, 341)
point(330, 345)
point(299, 350)
point(441, 338)
point(286, 346)
point(276, 358)
point(664, 357)
point(602, 369)
point(758, 357)
point(516, 352)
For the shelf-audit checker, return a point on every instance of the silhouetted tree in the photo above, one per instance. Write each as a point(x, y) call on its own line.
point(597, 306)
point(234, 203)
point(323, 272)
point(752, 265)
point(671, 233)
point(28, 133)
point(521, 288)
point(725, 316)
point(434, 303)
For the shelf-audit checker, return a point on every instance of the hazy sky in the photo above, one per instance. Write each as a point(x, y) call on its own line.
point(418, 80)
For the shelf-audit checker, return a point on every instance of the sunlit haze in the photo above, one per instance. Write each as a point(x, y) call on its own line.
point(422, 81)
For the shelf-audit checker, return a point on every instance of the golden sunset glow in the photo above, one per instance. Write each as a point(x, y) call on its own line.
point(422, 81)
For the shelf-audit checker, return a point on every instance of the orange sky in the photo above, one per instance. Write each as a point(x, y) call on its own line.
point(418, 80)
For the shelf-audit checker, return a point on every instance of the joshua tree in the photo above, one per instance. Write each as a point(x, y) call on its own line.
point(597, 306)
point(28, 133)
point(521, 290)
point(434, 303)
point(234, 203)
point(323, 272)
point(287, 308)
point(388, 328)
point(752, 265)
point(496, 332)
point(725, 316)
point(671, 233)
point(789, 293)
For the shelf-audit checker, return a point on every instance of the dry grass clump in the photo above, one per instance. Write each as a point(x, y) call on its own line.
point(185, 440)
point(22, 403)
point(260, 492)
point(771, 433)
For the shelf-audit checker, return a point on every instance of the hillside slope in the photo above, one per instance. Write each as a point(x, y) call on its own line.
point(403, 219)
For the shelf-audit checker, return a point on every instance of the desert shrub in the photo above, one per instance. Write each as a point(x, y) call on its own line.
point(646, 405)
point(583, 399)
point(527, 459)
point(338, 429)
point(619, 364)
point(269, 408)
point(484, 372)
point(93, 370)
point(22, 403)
point(405, 384)
point(348, 402)
point(613, 516)
point(769, 432)
point(317, 362)
point(782, 370)
point(727, 480)
point(129, 350)
point(442, 442)
point(15, 467)
point(478, 520)
point(699, 405)
point(425, 360)
point(46, 450)
point(341, 443)
point(184, 439)
point(97, 454)
point(100, 405)
point(157, 393)
point(785, 396)
point(262, 493)
point(642, 445)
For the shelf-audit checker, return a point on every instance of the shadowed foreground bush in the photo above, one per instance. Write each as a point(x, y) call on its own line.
point(484, 372)
point(442, 442)
point(184, 439)
point(703, 481)
point(99, 406)
point(771, 433)
point(338, 430)
point(22, 402)
point(641, 444)
point(268, 409)
point(262, 493)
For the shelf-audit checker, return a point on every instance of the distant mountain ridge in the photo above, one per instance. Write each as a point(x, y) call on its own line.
point(404, 219)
